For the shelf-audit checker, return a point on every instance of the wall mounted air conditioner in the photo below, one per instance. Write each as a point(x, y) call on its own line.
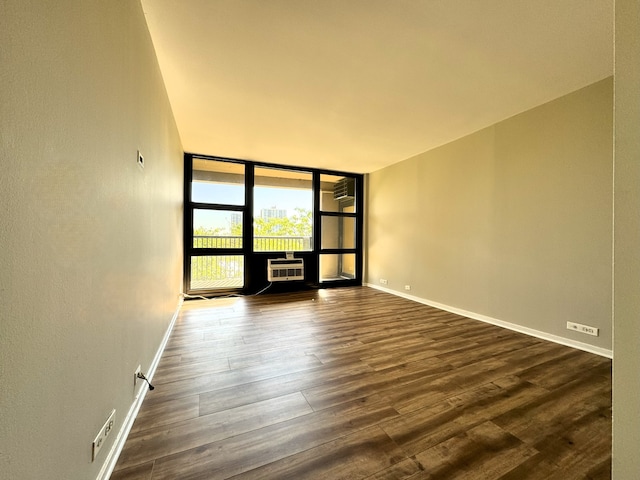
point(344, 188)
point(285, 269)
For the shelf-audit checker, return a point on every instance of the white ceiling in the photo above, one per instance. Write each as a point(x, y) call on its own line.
point(355, 85)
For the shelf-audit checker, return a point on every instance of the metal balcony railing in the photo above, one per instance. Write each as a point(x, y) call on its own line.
point(260, 244)
point(227, 271)
point(213, 271)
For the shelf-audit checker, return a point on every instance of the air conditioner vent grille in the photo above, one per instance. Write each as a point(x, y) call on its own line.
point(284, 270)
point(344, 188)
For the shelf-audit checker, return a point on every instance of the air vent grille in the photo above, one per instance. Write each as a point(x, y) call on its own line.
point(344, 188)
point(284, 270)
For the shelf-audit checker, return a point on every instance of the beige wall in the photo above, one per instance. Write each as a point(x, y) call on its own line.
point(626, 345)
point(90, 264)
point(512, 222)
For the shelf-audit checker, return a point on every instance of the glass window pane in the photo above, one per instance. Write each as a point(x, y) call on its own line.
point(283, 210)
point(338, 232)
point(340, 266)
point(337, 194)
point(217, 229)
point(214, 181)
point(217, 271)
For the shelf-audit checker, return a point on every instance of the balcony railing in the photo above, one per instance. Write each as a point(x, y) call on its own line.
point(227, 271)
point(260, 244)
point(217, 271)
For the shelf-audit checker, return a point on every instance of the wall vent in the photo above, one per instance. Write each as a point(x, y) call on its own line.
point(285, 269)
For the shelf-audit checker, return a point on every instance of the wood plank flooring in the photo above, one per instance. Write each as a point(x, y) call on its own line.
point(353, 383)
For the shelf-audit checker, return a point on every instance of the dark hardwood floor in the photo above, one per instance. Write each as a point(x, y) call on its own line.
point(353, 383)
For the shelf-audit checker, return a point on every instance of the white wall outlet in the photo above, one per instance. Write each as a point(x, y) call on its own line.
point(135, 375)
point(384, 281)
point(407, 287)
point(102, 435)
point(577, 327)
point(140, 160)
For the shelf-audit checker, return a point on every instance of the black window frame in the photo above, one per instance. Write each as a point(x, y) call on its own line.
point(255, 263)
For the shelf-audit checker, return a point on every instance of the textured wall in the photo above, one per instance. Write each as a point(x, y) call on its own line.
point(90, 264)
point(512, 222)
point(626, 347)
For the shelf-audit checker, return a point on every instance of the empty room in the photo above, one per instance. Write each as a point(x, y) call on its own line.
point(306, 239)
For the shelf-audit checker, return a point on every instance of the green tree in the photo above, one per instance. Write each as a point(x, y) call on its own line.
point(212, 232)
point(297, 225)
point(300, 224)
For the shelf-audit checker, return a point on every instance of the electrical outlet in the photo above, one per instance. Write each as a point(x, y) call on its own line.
point(135, 375)
point(384, 281)
point(102, 435)
point(577, 327)
point(407, 287)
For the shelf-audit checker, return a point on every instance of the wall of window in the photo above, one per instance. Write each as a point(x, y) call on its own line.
point(240, 214)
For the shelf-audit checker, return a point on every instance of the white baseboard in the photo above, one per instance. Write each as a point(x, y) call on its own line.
point(501, 323)
point(112, 457)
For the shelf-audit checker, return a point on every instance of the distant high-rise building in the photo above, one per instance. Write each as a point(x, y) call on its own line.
point(236, 219)
point(273, 212)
